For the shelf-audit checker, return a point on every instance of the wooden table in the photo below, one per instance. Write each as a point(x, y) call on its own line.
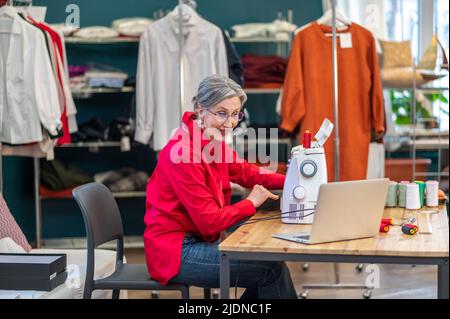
point(255, 242)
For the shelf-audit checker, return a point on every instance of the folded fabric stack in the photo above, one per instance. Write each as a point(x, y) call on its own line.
point(119, 128)
point(107, 79)
point(58, 178)
point(264, 71)
point(94, 76)
point(66, 29)
point(95, 130)
point(124, 180)
point(277, 29)
point(131, 27)
point(96, 32)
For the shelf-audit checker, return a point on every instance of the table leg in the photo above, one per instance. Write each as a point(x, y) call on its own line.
point(224, 276)
point(443, 281)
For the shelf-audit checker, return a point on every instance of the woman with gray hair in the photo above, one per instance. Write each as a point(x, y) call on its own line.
point(188, 200)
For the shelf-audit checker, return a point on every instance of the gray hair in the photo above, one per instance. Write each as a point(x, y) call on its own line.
point(216, 88)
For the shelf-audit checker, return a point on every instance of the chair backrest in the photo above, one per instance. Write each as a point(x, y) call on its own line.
point(100, 213)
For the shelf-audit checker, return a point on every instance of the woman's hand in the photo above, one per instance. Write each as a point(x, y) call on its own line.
point(259, 195)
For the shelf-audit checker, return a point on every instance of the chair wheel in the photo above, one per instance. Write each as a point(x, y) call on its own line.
point(360, 268)
point(155, 295)
point(367, 294)
point(305, 267)
point(304, 294)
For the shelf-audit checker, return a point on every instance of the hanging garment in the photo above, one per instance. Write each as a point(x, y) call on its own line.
point(70, 103)
point(28, 90)
point(235, 67)
point(56, 57)
point(194, 198)
point(308, 94)
point(158, 108)
point(70, 108)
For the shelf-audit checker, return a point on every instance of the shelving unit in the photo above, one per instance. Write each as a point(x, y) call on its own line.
point(75, 40)
point(281, 43)
point(282, 48)
point(263, 91)
point(93, 147)
point(438, 142)
point(414, 138)
point(85, 93)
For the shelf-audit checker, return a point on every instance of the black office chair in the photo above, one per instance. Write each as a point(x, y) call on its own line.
point(103, 224)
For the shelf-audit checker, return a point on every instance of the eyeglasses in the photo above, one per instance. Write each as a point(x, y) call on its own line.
point(224, 116)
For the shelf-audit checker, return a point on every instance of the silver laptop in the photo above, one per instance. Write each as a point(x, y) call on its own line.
point(348, 210)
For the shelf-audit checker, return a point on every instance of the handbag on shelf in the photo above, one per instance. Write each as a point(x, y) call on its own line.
point(397, 64)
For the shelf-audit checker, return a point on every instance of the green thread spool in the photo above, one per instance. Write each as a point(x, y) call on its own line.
point(422, 187)
point(402, 194)
point(392, 197)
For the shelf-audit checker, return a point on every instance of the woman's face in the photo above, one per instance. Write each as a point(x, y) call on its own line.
point(223, 117)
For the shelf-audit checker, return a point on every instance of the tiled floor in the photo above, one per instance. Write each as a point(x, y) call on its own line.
point(396, 282)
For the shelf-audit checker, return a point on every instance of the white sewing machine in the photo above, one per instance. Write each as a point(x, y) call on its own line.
point(306, 173)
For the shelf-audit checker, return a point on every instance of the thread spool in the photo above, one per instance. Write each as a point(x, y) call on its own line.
point(432, 193)
point(392, 196)
point(307, 139)
point(421, 192)
point(412, 196)
point(402, 194)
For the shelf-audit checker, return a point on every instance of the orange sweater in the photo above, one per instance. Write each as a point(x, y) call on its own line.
point(308, 94)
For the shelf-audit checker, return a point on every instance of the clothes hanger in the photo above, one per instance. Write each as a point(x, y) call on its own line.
point(327, 18)
point(8, 11)
point(188, 12)
point(341, 19)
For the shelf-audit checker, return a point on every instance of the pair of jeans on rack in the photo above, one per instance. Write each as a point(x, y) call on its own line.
point(200, 267)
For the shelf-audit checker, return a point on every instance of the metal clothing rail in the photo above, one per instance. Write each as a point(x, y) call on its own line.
point(335, 93)
point(337, 284)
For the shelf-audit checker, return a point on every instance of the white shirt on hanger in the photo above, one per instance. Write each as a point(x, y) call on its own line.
point(28, 91)
point(158, 109)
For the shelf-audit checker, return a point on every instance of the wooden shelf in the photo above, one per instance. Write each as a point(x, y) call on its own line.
point(125, 89)
point(91, 145)
point(263, 91)
point(75, 40)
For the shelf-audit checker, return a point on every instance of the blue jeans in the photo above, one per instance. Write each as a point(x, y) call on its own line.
point(200, 264)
